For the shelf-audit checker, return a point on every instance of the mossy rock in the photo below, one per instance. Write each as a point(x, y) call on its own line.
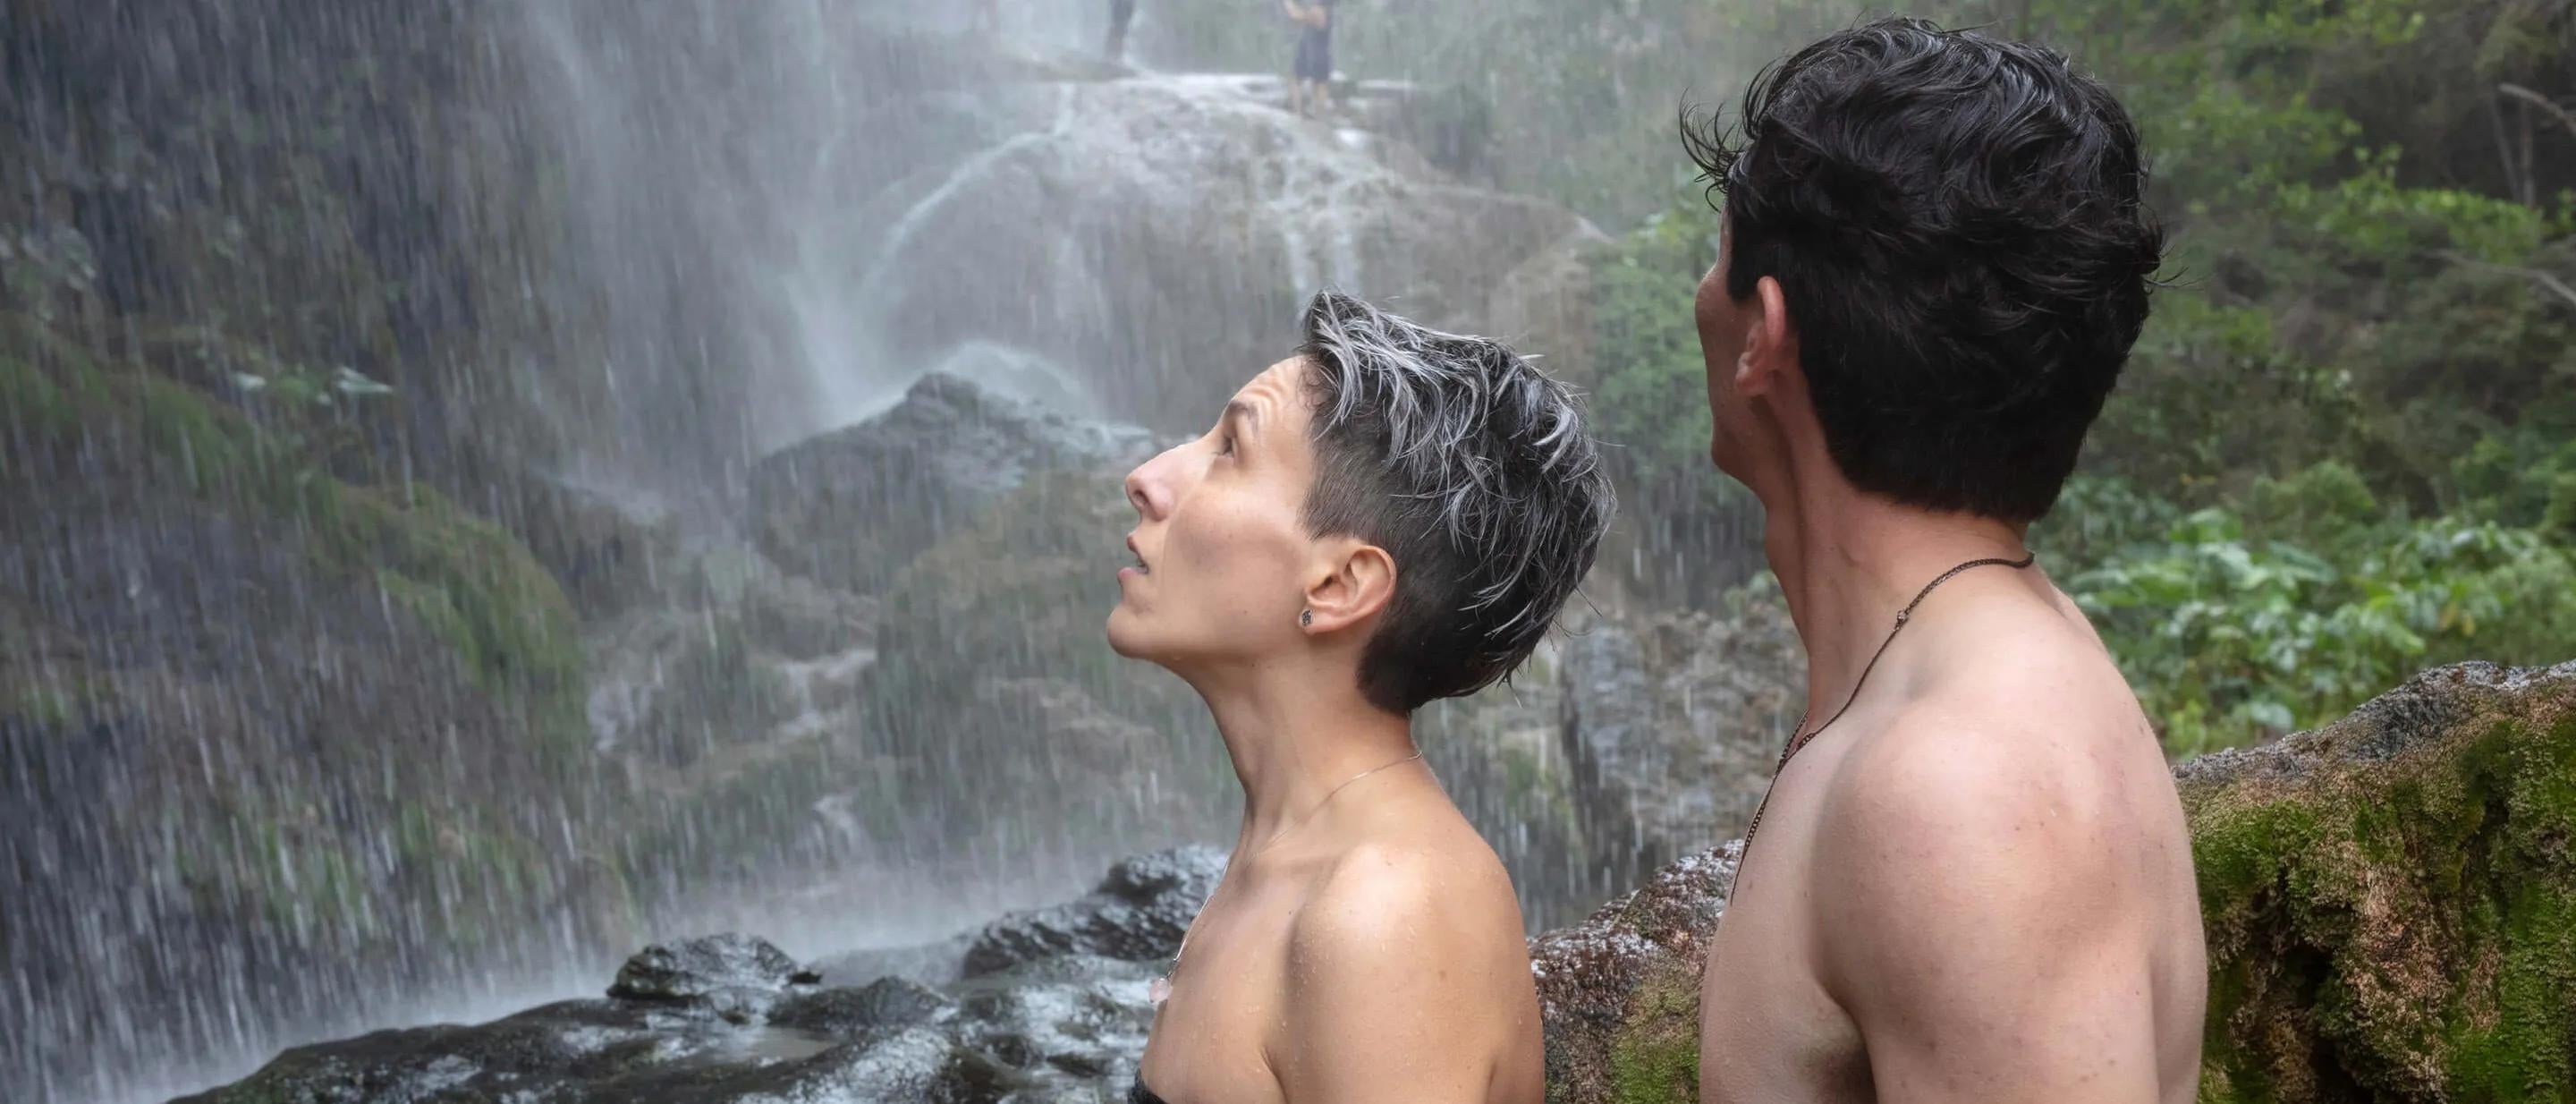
point(1619, 993)
point(2391, 900)
point(472, 585)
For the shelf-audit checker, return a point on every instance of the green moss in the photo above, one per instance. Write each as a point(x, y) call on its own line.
point(2397, 931)
point(468, 582)
point(1655, 1059)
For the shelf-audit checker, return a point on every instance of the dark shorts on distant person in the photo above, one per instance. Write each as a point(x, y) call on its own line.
point(1315, 55)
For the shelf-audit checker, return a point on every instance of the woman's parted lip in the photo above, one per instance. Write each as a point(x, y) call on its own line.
point(1141, 565)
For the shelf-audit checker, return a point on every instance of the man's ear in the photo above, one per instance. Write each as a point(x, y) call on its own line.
point(1770, 346)
point(1356, 581)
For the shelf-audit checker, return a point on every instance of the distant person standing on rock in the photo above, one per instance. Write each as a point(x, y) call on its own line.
point(1121, 13)
point(1312, 83)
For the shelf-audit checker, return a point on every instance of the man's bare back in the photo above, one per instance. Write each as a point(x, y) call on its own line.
point(1976, 886)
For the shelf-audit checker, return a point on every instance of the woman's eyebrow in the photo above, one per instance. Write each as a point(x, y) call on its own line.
point(1245, 412)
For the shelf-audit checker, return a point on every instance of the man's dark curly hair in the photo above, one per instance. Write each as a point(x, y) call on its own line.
point(1956, 223)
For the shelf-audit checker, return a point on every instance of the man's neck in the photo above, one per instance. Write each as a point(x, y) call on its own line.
point(1848, 562)
point(1293, 745)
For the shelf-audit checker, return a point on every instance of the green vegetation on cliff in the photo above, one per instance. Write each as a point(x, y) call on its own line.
point(472, 585)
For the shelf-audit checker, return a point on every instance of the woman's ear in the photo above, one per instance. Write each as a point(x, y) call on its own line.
point(1357, 581)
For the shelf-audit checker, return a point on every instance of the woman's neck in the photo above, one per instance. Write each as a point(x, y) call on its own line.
point(1295, 735)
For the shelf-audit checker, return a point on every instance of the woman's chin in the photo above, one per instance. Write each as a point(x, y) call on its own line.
point(1124, 638)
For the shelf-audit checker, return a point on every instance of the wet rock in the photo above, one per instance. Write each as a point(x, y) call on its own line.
point(733, 1020)
point(2390, 900)
point(929, 964)
point(1619, 993)
point(885, 1002)
point(1500, 755)
point(852, 507)
point(1161, 175)
point(1672, 723)
point(1004, 712)
point(1137, 914)
point(702, 967)
point(802, 620)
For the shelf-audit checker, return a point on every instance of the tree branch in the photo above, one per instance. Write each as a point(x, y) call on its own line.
point(2565, 118)
point(2547, 280)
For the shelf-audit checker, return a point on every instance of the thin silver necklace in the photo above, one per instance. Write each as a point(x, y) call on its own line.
point(1797, 741)
point(1161, 989)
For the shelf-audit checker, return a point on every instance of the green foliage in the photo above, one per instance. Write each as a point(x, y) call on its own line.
point(2235, 627)
point(1652, 396)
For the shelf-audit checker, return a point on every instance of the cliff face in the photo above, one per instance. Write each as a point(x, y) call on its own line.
point(2390, 903)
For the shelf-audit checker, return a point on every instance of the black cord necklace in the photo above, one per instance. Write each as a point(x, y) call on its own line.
point(1797, 740)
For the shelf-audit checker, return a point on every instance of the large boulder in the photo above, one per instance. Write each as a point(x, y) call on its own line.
point(2390, 903)
point(2391, 900)
point(255, 719)
point(850, 508)
point(1138, 914)
point(1186, 219)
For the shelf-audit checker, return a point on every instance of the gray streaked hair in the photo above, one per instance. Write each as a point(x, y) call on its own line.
point(1473, 469)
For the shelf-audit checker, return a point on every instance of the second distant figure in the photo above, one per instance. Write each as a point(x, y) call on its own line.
point(1121, 13)
point(1310, 87)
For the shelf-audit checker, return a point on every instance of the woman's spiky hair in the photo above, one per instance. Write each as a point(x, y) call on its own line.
point(1473, 469)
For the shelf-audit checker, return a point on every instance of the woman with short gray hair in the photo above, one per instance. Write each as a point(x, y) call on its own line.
point(1391, 516)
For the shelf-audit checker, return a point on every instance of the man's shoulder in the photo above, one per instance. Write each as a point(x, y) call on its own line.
point(2048, 748)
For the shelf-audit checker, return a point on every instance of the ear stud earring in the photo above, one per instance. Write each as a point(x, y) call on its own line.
point(1306, 619)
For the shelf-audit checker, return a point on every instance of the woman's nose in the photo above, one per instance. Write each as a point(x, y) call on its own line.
point(1148, 491)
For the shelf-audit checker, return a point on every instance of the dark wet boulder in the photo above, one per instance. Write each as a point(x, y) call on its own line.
point(885, 1002)
point(1671, 722)
point(697, 968)
point(733, 1020)
point(1138, 914)
point(1066, 1025)
point(850, 508)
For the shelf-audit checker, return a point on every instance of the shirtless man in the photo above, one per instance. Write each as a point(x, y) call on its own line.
point(1392, 516)
point(1971, 881)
